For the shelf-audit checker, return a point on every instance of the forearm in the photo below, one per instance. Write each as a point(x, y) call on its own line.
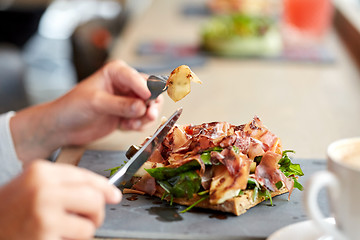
point(34, 132)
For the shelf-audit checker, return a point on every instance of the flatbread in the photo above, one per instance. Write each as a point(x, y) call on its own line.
point(237, 205)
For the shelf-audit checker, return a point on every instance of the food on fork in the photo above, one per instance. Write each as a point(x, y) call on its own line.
point(178, 84)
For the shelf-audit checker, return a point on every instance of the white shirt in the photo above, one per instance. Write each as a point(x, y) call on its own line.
point(10, 165)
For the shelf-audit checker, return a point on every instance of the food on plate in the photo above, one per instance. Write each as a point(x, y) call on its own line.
point(178, 83)
point(253, 7)
point(219, 166)
point(241, 35)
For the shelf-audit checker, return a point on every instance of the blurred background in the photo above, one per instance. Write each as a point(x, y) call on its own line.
point(47, 46)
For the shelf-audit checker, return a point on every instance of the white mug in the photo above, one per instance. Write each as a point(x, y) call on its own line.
point(343, 181)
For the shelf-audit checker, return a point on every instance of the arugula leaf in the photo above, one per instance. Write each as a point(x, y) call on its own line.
point(165, 185)
point(164, 173)
point(266, 193)
point(290, 169)
point(194, 204)
point(215, 149)
point(256, 193)
point(182, 181)
point(279, 184)
point(297, 184)
point(236, 149)
point(252, 183)
point(183, 185)
point(165, 194)
point(205, 157)
point(115, 169)
point(203, 193)
point(257, 159)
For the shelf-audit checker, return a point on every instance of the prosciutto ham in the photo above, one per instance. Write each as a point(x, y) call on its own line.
point(146, 184)
point(256, 130)
point(268, 173)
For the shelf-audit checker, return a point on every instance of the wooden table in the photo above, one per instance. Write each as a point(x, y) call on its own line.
point(307, 105)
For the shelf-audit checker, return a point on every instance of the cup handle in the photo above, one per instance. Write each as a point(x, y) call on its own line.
point(314, 185)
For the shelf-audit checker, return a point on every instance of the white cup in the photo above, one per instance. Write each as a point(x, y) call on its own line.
point(343, 181)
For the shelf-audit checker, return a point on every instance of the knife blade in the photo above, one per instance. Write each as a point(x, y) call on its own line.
point(125, 173)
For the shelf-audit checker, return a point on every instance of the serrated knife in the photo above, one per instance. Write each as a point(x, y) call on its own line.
point(124, 174)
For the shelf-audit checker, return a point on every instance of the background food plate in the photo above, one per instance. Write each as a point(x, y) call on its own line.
point(146, 217)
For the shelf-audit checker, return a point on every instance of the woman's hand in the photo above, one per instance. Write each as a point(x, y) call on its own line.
point(54, 201)
point(113, 97)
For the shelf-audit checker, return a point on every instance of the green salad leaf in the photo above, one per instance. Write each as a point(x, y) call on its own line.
point(252, 183)
point(194, 204)
point(206, 155)
point(216, 149)
point(115, 169)
point(164, 173)
point(182, 181)
point(183, 185)
point(290, 169)
point(266, 193)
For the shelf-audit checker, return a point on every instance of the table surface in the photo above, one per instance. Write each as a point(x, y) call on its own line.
point(307, 105)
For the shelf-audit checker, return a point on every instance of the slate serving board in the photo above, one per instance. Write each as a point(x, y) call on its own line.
point(143, 217)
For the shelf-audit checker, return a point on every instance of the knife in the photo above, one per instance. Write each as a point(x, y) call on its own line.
point(124, 174)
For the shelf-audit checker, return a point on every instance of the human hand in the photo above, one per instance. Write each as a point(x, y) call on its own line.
point(112, 97)
point(54, 201)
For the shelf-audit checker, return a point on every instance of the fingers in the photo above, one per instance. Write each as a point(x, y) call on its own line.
point(126, 78)
point(76, 227)
point(84, 201)
point(82, 177)
point(126, 107)
point(149, 117)
point(154, 108)
point(58, 201)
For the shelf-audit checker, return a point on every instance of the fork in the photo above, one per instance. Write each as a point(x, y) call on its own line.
point(156, 85)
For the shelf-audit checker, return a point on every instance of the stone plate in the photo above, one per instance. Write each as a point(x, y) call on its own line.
point(145, 217)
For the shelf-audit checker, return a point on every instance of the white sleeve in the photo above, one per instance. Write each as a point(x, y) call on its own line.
point(10, 165)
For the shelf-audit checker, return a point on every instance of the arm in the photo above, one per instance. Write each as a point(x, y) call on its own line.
point(10, 165)
point(113, 97)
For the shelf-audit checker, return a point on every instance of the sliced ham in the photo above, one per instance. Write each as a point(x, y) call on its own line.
point(255, 148)
point(228, 141)
point(177, 160)
point(146, 184)
point(257, 130)
point(268, 174)
point(156, 156)
point(233, 161)
point(216, 158)
point(242, 141)
point(207, 178)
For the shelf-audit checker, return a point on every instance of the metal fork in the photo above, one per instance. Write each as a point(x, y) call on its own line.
point(156, 85)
